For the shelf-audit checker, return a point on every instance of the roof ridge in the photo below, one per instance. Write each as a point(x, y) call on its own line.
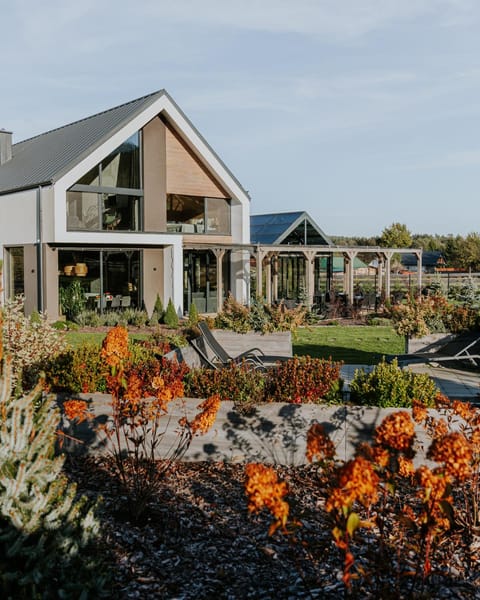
point(102, 112)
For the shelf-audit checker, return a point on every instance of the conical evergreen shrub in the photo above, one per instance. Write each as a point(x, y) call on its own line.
point(171, 317)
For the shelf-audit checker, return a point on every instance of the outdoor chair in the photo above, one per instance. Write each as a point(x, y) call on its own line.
point(221, 356)
point(214, 363)
point(456, 350)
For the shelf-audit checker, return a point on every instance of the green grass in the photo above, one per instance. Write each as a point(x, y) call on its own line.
point(352, 345)
point(77, 338)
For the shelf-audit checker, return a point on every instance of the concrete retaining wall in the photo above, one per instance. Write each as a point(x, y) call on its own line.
point(273, 433)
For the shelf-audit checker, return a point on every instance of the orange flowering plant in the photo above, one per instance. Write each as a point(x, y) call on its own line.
point(412, 513)
point(141, 394)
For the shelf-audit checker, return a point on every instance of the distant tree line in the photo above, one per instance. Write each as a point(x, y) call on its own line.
point(458, 252)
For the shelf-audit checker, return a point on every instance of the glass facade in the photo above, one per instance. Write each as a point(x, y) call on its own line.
point(198, 214)
point(15, 281)
point(200, 279)
point(100, 200)
point(110, 278)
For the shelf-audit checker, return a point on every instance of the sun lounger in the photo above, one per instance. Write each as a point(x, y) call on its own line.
point(453, 351)
point(220, 357)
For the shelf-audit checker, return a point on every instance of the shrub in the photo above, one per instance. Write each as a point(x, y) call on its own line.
point(137, 317)
point(31, 342)
point(192, 315)
point(76, 370)
point(300, 379)
point(171, 317)
point(259, 317)
point(304, 379)
point(72, 299)
point(241, 384)
point(89, 318)
point(158, 306)
point(140, 397)
point(46, 531)
point(389, 385)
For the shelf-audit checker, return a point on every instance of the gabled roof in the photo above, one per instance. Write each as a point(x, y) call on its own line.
point(430, 258)
point(288, 227)
point(45, 158)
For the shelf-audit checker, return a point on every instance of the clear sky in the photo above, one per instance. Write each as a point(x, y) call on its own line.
point(361, 112)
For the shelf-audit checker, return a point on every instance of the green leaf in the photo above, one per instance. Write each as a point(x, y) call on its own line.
point(353, 523)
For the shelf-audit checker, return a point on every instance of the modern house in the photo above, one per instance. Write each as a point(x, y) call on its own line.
point(130, 203)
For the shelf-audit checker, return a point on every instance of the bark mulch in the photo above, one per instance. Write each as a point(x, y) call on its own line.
point(198, 541)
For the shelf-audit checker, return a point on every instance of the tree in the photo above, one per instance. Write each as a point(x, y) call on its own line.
point(396, 236)
point(470, 252)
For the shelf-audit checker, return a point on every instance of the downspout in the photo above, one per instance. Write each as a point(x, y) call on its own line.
point(38, 244)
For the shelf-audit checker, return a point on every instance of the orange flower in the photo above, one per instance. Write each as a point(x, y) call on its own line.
point(396, 431)
point(357, 481)
point(76, 410)
point(435, 488)
point(475, 440)
point(419, 411)
point(319, 444)
point(134, 389)
point(455, 452)
point(434, 482)
point(205, 419)
point(115, 346)
point(265, 491)
point(464, 410)
point(441, 401)
point(405, 467)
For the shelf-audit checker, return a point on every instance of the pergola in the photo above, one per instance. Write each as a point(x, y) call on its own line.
point(266, 258)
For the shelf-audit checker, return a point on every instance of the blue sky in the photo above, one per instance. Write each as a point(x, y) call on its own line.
point(361, 112)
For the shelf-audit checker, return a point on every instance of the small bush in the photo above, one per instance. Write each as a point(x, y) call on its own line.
point(137, 318)
point(240, 383)
point(389, 385)
point(305, 379)
point(89, 318)
point(158, 306)
point(259, 317)
point(171, 317)
point(31, 342)
point(77, 370)
point(192, 315)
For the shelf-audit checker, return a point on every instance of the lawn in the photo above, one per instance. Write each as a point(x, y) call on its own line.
point(77, 338)
point(352, 345)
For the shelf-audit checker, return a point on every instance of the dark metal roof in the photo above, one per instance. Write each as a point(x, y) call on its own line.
point(47, 157)
point(430, 258)
point(275, 228)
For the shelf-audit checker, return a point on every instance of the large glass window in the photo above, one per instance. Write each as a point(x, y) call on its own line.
point(197, 214)
point(110, 279)
point(15, 281)
point(102, 200)
point(102, 211)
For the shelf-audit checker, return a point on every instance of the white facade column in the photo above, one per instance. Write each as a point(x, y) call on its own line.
point(173, 275)
point(349, 258)
point(219, 253)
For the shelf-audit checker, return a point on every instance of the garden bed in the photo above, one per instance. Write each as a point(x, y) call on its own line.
point(199, 542)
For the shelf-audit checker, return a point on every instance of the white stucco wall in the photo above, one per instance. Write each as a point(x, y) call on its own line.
point(18, 222)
